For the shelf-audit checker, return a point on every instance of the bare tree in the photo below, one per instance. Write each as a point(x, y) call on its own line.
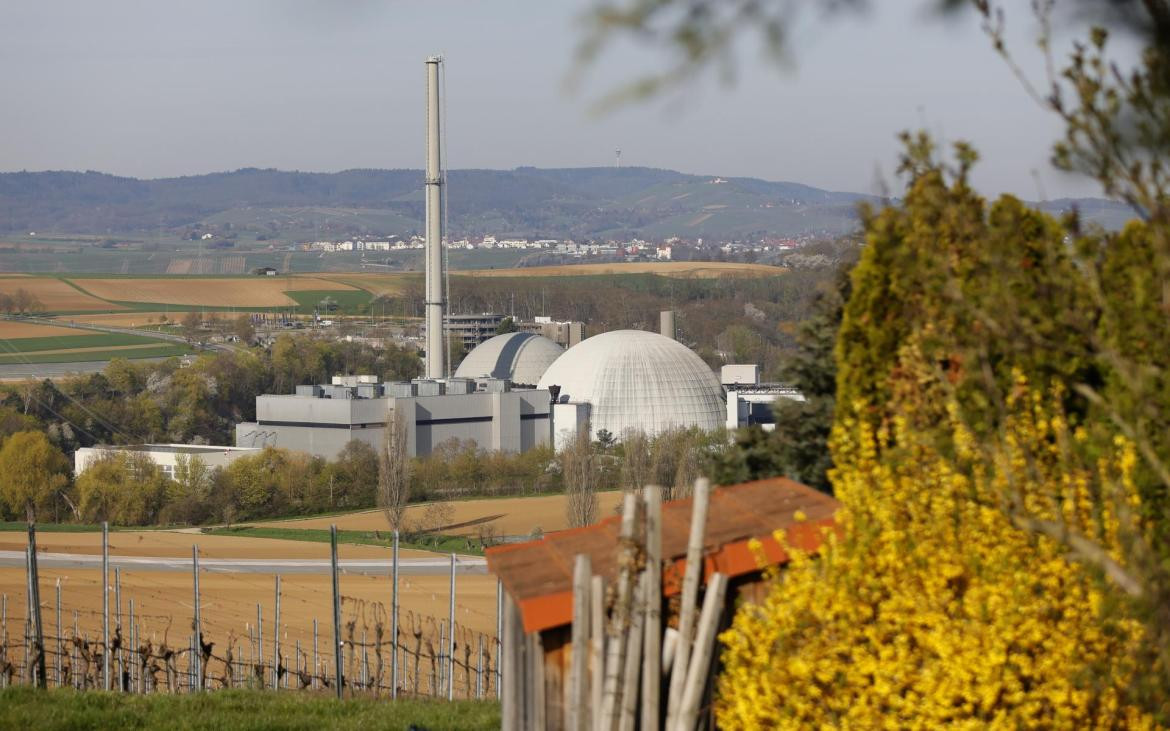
point(636, 459)
point(579, 467)
point(394, 471)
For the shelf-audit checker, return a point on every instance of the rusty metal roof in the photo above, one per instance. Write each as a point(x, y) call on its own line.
point(539, 574)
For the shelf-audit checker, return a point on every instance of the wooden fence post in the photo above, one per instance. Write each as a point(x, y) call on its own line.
point(629, 711)
point(196, 661)
point(35, 599)
point(393, 620)
point(619, 627)
point(512, 699)
point(577, 715)
point(105, 605)
point(597, 648)
point(276, 640)
point(450, 646)
point(652, 646)
point(338, 673)
point(696, 682)
point(690, 592)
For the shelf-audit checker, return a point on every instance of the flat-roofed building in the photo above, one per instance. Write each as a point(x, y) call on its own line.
point(166, 456)
point(321, 420)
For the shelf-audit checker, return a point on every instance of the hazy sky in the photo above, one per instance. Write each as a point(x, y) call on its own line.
point(160, 88)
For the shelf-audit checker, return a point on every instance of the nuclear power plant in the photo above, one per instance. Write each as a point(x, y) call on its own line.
point(512, 392)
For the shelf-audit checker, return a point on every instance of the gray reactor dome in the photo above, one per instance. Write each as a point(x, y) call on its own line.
point(518, 357)
point(637, 380)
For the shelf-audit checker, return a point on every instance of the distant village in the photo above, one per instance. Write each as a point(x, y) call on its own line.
point(665, 250)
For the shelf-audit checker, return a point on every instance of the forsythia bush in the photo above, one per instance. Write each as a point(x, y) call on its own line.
point(929, 608)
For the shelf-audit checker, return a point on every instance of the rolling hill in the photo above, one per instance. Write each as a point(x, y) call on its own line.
point(579, 203)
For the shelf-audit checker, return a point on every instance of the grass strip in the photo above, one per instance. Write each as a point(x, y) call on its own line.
point(62, 342)
point(8, 526)
point(161, 351)
point(231, 710)
point(437, 543)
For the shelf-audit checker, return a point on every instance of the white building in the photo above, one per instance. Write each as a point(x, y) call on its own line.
point(749, 402)
point(166, 456)
point(632, 380)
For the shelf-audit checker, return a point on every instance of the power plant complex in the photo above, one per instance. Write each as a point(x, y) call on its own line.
point(515, 391)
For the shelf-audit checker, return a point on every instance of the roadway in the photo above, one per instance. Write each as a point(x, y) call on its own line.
point(437, 566)
point(40, 371)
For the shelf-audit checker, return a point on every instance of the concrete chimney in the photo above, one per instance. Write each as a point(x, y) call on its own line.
point(435, 296)
point(666, 323)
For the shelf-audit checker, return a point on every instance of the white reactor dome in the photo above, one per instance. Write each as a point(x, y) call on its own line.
point(518, 357)
point(638, 380)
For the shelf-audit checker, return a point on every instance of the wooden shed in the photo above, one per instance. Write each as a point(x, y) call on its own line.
point(538, 582)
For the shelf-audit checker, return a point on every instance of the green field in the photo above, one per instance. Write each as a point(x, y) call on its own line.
point(61, 342)
point(348, 301)
point(160, 351)
point(26, 708)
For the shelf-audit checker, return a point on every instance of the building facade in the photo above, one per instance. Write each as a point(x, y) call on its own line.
point(166, 456)
point(321, 420)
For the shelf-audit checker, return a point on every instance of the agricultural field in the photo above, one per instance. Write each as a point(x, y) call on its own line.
point(149, 296)
point(229, 600)
point(132, 318)
point(163, 602)
point(57, 295)
point(376, 284)
point(200, 291)
point(506, 516)
point(31, 330)
point(177, 544)
point(49, 344)
point(680, 269)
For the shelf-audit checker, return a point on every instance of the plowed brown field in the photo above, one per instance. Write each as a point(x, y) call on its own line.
point(10, 329)
point(507, 516)
point(236, 292)
point(177, 544)
point(55, 295)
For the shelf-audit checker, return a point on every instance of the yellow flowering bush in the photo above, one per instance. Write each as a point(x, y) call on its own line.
point(931, 608)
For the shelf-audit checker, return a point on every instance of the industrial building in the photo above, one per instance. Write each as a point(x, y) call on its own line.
point(632, 380)
point(322, 419)
point(621, 381)
point(166, 456)
point(474, 329)
point(749, 401)
point(565, 333)
point(471, 330)
point(519, 357)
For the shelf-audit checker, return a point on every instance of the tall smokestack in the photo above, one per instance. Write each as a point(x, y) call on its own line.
point(666, 323)
point(435, 296)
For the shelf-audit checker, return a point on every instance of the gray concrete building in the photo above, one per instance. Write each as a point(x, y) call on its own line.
point(321, 420)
